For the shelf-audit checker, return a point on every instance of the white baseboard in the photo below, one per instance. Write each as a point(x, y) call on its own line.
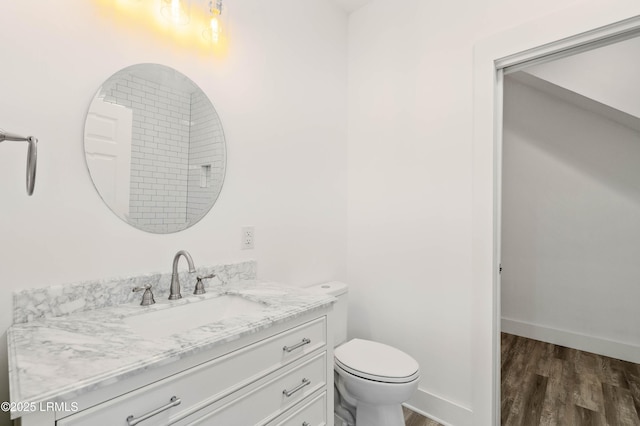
point(583, 342)
point(439, 409)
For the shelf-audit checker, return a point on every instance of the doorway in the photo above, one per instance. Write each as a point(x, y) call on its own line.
point(570, 239)
point(571, 28)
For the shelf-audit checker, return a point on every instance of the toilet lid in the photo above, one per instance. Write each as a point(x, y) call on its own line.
point(376, 361)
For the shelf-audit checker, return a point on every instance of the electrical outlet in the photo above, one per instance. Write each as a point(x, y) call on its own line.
point(247, 237)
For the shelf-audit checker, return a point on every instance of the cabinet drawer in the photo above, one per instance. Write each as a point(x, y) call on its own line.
point(267, 400)
point(200, 386)
point(311, 413)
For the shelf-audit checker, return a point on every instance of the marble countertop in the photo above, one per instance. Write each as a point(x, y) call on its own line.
point(59, 358)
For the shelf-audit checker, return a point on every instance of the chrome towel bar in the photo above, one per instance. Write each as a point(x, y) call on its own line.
point(32, 156)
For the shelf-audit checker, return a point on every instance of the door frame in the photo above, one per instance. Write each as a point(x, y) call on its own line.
point(580, 27)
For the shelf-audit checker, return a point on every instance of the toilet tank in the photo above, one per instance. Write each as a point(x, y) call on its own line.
point(339, 324)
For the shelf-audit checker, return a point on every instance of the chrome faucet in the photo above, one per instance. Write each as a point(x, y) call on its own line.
point(147, 297)
point(199, 284)
point(174, 290)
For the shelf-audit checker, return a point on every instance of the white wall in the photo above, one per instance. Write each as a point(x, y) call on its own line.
point(281, 95)
point(607, 74)
point(571, 233)
point(410, 183)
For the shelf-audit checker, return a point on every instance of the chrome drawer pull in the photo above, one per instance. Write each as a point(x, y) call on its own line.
point(305, 382)
point(131, 421)
point(305, 341)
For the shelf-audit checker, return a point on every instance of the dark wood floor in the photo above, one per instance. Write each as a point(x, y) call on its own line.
point(545, 384)
point(414, 419)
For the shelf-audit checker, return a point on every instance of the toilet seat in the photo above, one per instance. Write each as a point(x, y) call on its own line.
point(376, 361)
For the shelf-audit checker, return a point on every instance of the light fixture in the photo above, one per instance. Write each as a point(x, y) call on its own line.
point(176, 11)
point(213, 31)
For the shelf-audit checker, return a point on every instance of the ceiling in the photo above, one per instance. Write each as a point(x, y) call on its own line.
point(351, 5)
point(607, 74)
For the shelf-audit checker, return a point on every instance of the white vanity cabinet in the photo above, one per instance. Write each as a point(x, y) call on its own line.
point(279, 376)
point(311, 412)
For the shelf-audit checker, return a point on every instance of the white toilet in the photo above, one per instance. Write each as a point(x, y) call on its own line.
point(372, 379)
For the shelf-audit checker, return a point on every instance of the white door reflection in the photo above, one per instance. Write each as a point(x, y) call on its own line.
point(107, 136)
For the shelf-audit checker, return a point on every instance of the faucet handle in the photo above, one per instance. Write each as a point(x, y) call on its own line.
point(147, 296)
point(199, 284)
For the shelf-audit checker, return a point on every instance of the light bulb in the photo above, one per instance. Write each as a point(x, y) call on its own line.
point(214, 30)
point(176, 11)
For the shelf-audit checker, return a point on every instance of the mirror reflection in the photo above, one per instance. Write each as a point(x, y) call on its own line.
point(155, 148)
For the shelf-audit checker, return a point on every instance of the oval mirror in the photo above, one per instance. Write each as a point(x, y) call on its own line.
point(155, 148)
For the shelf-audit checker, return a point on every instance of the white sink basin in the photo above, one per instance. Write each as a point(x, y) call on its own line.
point(177, 319)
